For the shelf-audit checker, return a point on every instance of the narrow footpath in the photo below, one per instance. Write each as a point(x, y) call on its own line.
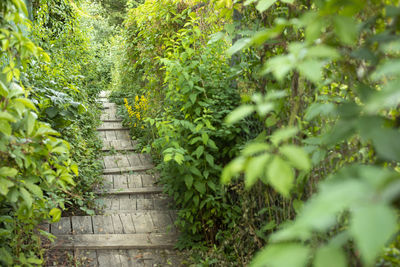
point(135, 226)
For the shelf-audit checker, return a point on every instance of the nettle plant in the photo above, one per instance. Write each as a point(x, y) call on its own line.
point(35, 166)
point(353, 45)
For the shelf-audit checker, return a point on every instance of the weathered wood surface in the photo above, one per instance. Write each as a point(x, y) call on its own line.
point(116, 241)
point(134, 225)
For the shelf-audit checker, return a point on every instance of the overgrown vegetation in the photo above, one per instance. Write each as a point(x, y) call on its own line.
point(313, 143)
point(50, 79)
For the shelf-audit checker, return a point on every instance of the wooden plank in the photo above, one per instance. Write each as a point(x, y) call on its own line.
point(113, 129)
point(87, 257)
point(134, 181)
point(123, 135)
point(127, 169)
point(82, 225)
point(146, 159)
point(110, 135)
point(117, 223)
point(126, 191)
point(148, 180)
point(115, 203)
point(122, 161)
point(134, 160)
point(108, 182)
point(108, 258)
point(112, 120)
point(142, 222)
point(162, 203)
point(116, 241)
point(127, 223)
point(102, 224)
point(126, 203)
point(61, 227)
point(120, 182)
point(124, 258)
point(144, 204)
point(110, 162)
point(162, 222)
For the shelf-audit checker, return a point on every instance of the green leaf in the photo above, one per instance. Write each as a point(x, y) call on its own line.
point(205, 137)
point(200, 187)
point(264, 5)
point(283, 134)
point(188, 181)
point(210, 159)
point(255, 168)
point(167, 157)
point(239, 45)
point(26, 196)
point(330, 256)
point(5, 184)
point(296, 156)
point(55, 213)
point(195, 171)
point(8, 172)
point(199, 151)
point(36, 190)
point(239, 113)
point(5, 128)
point(232, 169)
point(319, 109)
point(282, 255)
point(179, 158)
point(280, 175)
point(372, 226)
point(311, 69)
point(346, 29)
point(30, 122)
point(280, 66)
point(7, 116)
point(27, 103)
point(75, 169)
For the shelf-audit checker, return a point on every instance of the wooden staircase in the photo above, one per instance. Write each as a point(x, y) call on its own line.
point(135, 225)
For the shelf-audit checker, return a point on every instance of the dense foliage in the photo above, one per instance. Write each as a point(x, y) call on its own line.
point(318, 82)
point(48, 120)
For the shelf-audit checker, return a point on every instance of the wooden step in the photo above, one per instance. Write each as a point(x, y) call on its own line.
point(128, 169)
point(113, 129)
point(128, 191)
point(112, 120)
point(119, 145)
point(116, 241)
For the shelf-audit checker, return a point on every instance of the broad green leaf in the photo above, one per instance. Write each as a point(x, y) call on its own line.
point(264, 5)
point(255, 168)
point(188, 181)
point(330, 256)
point(200, 187)
point(195, 171)
point(27, 103)
point(239, 113)
point(311, 69)
point(282, 255)
point(5, 184)
point(283, 134)
point(296, 156)
point(346, 29)
point(372, 227)
point(254, 148)
point(8, 172)
point(280, 175)
point(323, 51)
point(75, 169)
point(7, 116)
point(167, 157)
point(232, 169)
point(55, 213)
point(239, 45)
point(199, 151)
point(30, 122)
point(388, 69)
point(36, 190)
point(205, 138)
point(280, 66)
point(5, 128)
point(26, 196)
point(179, 158)
point(319, 109)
